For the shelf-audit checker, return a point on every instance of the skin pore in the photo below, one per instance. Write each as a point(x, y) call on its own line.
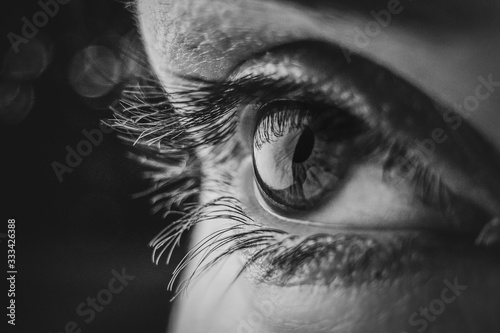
point(445, 49)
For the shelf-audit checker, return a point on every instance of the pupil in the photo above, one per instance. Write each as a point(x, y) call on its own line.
point(304, 146)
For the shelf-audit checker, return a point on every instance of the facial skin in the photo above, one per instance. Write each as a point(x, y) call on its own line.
point(442, 48)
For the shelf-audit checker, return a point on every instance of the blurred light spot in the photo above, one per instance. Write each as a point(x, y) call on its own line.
point(95, 71)
point(16, 102)
point(8, 92)
point(31, 61)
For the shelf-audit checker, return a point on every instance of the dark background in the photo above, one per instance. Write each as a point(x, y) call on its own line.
point(70, 235)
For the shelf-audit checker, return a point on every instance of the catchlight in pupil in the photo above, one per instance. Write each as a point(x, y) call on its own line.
point(304, 146)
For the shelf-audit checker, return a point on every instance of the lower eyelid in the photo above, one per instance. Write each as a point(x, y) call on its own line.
point(388, 255)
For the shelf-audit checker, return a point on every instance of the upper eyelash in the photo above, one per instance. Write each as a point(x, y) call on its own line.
point(153, 117)
point(147, 117)
point(169, 134)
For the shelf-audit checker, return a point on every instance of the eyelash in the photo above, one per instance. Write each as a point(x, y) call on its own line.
point(146, 117)
point(357, 257)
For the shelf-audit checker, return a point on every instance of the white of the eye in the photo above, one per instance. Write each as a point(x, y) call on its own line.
point(274, 160)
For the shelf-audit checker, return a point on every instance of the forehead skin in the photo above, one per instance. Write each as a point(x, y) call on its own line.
point(443, 52)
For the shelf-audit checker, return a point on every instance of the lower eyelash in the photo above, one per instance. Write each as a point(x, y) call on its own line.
point(276, 257)
point(242, 234)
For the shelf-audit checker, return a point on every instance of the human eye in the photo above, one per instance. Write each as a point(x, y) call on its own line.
point(314, 170)
point(307, 149)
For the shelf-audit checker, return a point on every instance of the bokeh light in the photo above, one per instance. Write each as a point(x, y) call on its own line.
point(16, 101)
point(95, 71)
point(30, 62)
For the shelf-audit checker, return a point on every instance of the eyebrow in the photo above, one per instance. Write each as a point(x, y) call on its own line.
point(192, 36)
point(450, 16)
